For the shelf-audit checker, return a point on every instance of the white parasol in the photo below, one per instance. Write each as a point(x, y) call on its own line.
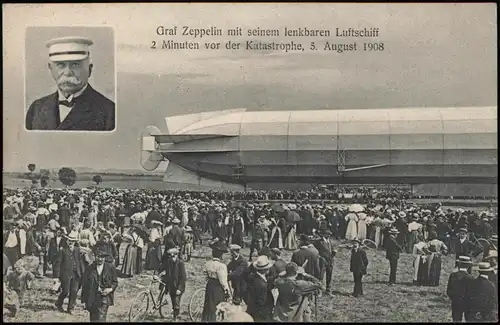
point(356, 208)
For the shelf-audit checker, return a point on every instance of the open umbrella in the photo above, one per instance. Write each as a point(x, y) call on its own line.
point(292, 216)
point(277, 207)
point(356, 208)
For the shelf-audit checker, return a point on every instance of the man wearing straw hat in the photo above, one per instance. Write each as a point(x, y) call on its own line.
point(393, 249)
point(482, 299)
point(456, 288)
point(75, 106)
point(70, 274)
point(260, 298)
point(99, 284)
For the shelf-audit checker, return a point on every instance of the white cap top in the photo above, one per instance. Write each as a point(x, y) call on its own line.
point(72, 48)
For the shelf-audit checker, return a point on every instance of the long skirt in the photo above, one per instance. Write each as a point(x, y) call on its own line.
point(12, 254)
point(352, 230)
point(131, 258)
point(422, 272)
point(291, 240)
point(412, 239)
point(362, 230)
point(214, 295)
point(434, 269)
point(153, 257)
point(379, 236)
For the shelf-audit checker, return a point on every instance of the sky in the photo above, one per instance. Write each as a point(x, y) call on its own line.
point(434, 55)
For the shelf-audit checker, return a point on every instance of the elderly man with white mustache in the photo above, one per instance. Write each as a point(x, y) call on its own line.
point(75, 106)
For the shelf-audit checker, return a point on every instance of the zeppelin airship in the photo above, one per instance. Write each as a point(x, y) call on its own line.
point(443, 151)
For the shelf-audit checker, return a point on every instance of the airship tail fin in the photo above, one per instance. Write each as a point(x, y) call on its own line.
point(150, 159)
point(177, 174)
point(179, 122)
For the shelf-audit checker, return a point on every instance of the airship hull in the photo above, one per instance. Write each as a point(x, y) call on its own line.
point(385, 146)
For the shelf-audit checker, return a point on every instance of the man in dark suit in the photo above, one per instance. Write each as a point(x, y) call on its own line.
point(463, 247)
point(260, 303)
point(304, 254)
point(71, 273)
point(173, 273)
point(99, 285)
point(456, 289)
point(482, 298)
point(56, 245)
point(176, 233)
point(76, 106)
point(237, 270)
point(220, 230)
point(327, 252)
point(359, 264)
point(392, 249)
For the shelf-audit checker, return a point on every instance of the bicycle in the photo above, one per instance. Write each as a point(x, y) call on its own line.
point(365, 243)
point(196, 303)
point(144, 297)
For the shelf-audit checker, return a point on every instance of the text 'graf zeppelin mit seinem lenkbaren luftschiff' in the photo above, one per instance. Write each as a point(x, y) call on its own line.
point(284, 39)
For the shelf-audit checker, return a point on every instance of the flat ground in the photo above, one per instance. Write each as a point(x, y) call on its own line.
point(381, 303)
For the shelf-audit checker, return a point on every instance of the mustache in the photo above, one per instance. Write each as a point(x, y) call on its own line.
point(64, 80)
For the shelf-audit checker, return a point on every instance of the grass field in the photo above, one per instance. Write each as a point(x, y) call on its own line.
point(381, 303)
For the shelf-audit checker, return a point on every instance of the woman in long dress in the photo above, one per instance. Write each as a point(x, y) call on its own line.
point(217, 285)
point(420, 250)
point(352, 228)
point(276, 239)
point(133, 254)
point(291, 238)
point(436, 249)
point(153, 252)
point(361, 226)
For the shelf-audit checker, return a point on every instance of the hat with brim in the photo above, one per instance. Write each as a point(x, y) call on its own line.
point(235, 247)
point(262, 263)
point(71, 237)
point(156, 223)
point(463, 230)
point(484, 267)
point(176, 221)
point(173, 251)
point(464, 260)
point(218, 246)
point(393, 231)
point(493, 254)
point(494, 237)
point(102, 253)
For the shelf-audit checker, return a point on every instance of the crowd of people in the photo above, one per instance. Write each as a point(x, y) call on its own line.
point(78, 234)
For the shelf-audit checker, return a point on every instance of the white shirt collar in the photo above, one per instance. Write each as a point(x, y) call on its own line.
point(262, 276)
point(484, 276)
point(99, 268)
point(71, 97)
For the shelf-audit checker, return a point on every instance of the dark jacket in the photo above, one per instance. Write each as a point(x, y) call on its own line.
point(91, 283)
point(54, 253)
point(456, 289)
point(260, 303)
point(326, 250)
point(176, 234)
point(482, 298)
point(91, 112)
point(66, 271)
point(392, 249)
point(220, 231)
point(236, 270)
point(463, 249)
point(175, 276)
point(359, 262)
point(312, 267)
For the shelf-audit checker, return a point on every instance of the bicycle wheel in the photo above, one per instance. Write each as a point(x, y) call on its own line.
point(163, 303)
point(482, 242)
point(368, 243)
point(139, 308)
point(196, 305)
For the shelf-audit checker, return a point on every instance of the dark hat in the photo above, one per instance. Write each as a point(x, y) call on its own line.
point(304, 238)
point(464, 260)
point(218, 246)
point(101, 252)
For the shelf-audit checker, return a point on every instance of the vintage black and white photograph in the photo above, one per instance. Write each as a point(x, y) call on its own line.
point(70, 79)
point(271, 162)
